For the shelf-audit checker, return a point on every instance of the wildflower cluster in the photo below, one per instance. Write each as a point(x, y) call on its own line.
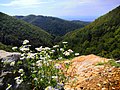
point(40, 68)
point(62, 52)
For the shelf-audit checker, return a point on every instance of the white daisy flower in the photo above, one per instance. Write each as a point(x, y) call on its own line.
point(14, 48)
point(25, 41)
point(64, 42)
point(39, 49)
point(76, 54)
point(12, 63)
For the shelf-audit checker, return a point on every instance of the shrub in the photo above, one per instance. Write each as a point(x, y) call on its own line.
point(39, 69)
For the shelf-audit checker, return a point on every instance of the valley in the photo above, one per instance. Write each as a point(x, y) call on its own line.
point(48, 53)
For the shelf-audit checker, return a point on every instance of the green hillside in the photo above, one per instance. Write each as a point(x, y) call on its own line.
point(14, 31)
point(101, 37)
point(53, 25)
point(5, 47)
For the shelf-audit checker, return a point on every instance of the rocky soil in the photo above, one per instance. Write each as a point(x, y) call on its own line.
point(85, 74)
point(9, 56)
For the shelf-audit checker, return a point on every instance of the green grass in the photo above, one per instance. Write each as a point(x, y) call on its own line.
point(113, 63)
point(100, 63)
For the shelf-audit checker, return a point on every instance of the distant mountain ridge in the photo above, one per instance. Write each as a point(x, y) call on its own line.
point(101, 37)
point(13, 31)
point(53, 25)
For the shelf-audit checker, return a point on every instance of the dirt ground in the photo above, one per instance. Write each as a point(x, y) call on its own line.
point(85, 74)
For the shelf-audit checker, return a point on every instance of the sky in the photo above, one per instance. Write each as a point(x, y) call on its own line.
point(85, 10)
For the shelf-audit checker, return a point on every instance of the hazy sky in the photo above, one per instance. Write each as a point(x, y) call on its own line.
point(68, 9)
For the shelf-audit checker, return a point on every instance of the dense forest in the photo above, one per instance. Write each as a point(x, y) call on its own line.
point(101, 37)
point(53, 25)
point(14, 31)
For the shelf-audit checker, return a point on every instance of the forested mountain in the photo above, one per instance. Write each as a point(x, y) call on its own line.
point(13, 31)
point(101, 37)
point(80, 22)
point(53, 25)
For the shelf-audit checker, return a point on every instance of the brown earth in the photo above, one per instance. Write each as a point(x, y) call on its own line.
point(85, 74)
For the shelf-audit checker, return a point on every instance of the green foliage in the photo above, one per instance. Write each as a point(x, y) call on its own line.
point(101, 37)
point(54, 26)
point(100, 63)
point(5, 47)
point(111, 62)
point(37, 70)
point(114, 63)
point(14, 31)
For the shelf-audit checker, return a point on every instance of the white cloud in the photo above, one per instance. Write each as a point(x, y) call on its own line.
point(59, 7)
point(78, 7)
point(24, 3)
point(70, 4)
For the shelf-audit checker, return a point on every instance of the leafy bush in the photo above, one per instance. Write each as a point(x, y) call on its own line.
point(114, 63)
point(39, 70)
point(5, 47)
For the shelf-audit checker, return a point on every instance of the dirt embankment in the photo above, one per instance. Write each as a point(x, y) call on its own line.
point(85, 74)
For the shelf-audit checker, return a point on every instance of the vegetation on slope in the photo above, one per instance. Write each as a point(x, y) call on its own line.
point(101, 37)
point(84, 74)
point(38, 70)
point(14, 31)
point(54, 26)
point(5, 47)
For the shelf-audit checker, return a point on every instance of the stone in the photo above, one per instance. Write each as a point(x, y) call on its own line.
point(6, 57)
point(9, 56)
